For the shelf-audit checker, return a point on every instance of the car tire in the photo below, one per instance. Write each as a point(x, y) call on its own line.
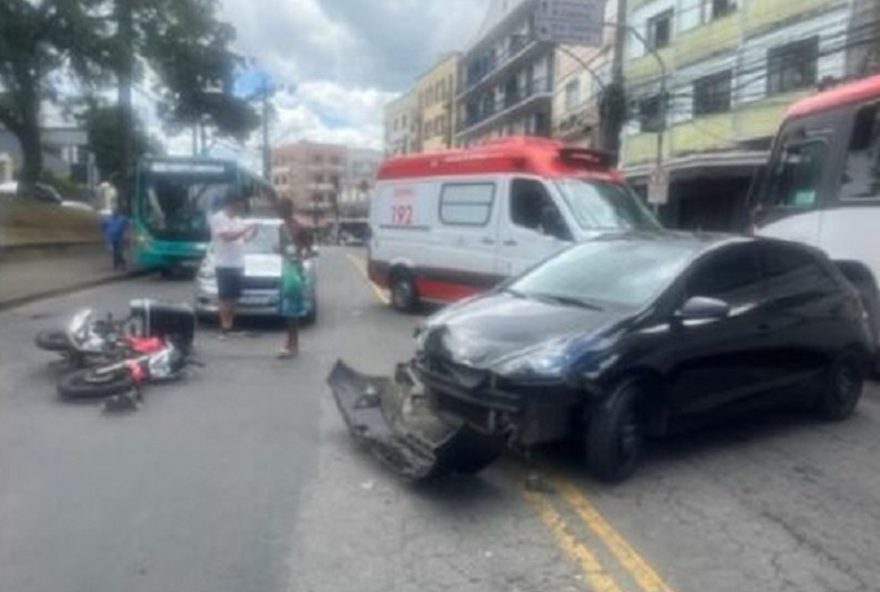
point(843, 385)
point(615, 434)
point(87, 384)
point(403, 291)
point(53, 341)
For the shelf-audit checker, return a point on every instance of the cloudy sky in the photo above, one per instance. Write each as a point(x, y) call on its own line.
point(346, 58)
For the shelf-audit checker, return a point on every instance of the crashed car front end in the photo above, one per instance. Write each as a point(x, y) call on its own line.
point(521, 412)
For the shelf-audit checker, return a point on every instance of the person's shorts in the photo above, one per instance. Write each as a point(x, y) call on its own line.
point(229, 281)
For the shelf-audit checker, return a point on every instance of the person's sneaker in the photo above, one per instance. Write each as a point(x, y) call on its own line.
point(284, 354)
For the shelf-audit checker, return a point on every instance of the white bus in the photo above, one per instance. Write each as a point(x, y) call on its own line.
point(822, 184)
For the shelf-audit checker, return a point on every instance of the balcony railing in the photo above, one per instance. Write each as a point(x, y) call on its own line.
point(487, 109)
point(496, 62)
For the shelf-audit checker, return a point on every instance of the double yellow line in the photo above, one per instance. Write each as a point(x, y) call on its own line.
point(600, 579)
point(645, 578)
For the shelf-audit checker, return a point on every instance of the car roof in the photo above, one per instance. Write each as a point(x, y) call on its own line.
point(265, 221)
point(702, 242)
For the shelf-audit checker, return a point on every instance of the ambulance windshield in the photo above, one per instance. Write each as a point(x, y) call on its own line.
point(601, 205)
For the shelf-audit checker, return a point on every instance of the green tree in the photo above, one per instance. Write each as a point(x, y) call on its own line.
point(101, 123)
point(36, 39)
point(182, 42)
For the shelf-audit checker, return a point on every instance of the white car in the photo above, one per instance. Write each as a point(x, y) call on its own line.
point(262, 277)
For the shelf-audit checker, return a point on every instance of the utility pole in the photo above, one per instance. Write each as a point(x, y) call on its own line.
point(613, 101)
point(125, 76)
point(267, 155)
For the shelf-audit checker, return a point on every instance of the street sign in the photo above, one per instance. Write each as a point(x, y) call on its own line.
point(570, 22)
point(658, 187)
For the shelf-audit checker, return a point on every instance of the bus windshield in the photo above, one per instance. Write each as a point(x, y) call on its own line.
point(175, 206)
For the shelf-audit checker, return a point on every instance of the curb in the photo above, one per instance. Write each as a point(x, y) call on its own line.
point(71, 289)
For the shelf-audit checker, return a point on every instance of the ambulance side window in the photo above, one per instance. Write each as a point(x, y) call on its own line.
point(532, 207)
point(467, 204)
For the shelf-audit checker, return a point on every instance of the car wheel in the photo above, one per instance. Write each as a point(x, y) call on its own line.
point(403, 292)
point(615, 435)
point(844, 381)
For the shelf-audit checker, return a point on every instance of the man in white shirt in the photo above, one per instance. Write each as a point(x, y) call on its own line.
point(228, 236)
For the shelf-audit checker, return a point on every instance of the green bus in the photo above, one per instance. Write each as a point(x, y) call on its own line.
point(172, 200)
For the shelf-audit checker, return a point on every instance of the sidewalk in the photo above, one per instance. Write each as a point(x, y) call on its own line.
point(36, 273)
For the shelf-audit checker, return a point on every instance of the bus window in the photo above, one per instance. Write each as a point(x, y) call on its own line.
point(861, 174)
point(796, 178)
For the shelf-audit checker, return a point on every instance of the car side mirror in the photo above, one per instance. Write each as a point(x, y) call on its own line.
point(702, 308)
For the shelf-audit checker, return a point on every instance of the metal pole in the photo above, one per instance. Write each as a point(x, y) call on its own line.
point(267, 164)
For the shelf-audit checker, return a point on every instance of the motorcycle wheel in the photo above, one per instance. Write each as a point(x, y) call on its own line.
point(90, 384)
point(53, 341)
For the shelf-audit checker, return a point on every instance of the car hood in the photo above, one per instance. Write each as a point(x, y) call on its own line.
point(490, 330)
point(262, 265)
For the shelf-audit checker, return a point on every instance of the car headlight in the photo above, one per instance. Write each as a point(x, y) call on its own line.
point(547, 362)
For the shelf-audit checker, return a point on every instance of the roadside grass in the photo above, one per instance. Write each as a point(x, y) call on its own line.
point(25, 223)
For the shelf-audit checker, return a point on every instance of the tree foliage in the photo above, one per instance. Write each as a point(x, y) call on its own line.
point(101, 123)
point(182, 42)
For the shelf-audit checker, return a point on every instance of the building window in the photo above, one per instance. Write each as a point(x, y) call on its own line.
point(716, 9)
point(403, 125)
point(861, 174)
point(712, 94)
point(572, 94)
point(650, 119)
point(793, 66)
point(660, 30)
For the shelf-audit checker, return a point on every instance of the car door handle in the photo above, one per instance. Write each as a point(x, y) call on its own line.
point(510, 243)
point(764, 328)
point(487, 241)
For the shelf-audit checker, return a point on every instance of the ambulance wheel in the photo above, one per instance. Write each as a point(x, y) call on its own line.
point(403, 291)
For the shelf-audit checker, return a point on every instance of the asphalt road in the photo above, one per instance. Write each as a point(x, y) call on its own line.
point(243, 478)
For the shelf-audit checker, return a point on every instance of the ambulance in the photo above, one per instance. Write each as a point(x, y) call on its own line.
point(447, 225)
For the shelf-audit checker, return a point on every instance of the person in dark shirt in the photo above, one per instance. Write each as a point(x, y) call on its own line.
point(115, 228)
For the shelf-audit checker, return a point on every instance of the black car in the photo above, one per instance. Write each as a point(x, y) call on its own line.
point(627, 336)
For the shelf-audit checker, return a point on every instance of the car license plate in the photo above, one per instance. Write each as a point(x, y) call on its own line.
point(256, 301)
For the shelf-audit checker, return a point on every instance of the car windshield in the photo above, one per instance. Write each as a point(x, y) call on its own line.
point(600, 205)
point(590, 273)
point(265, 242)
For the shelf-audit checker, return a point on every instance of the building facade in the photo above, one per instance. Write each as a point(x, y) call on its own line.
point(66, 154)
point(310, 174)
point(361, 166)
point(435, 91)
point(402, 129)
point(710, 84)
point(577, 88)
point(324, 178)
point(506, 78)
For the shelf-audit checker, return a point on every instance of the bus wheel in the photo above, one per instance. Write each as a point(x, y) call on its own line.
point(403, 291)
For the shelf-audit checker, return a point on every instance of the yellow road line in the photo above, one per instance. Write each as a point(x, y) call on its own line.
point(361, 266)
point(644, 574)
point(598, 579)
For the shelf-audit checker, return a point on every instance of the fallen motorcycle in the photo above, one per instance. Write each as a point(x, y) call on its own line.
point(154, 360)
point(85, 338)
point(88, 341)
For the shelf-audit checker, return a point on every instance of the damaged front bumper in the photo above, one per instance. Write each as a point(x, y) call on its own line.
point(399, 427)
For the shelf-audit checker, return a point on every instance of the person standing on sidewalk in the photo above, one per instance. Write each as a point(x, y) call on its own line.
point(115, 227)
point(228, 236)
point(292, 304)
